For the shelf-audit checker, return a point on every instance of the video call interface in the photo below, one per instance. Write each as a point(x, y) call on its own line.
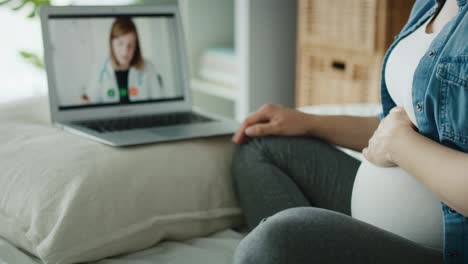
point(110, 60)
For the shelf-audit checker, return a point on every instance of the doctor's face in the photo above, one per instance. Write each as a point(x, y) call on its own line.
point(124, 49)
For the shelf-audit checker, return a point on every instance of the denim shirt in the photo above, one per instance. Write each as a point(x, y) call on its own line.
point(440, 101)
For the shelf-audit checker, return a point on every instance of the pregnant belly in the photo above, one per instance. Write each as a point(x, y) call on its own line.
point(393, 200)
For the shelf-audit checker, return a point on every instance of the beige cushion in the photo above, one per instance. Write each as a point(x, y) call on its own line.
point(66, 199)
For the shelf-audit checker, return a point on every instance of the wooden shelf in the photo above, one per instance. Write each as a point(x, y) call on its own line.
point(265, 57)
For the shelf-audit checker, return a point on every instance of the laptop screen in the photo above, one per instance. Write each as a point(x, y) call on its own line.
point(109, 60)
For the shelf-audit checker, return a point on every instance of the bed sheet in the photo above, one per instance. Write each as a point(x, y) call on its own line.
point(215, 249)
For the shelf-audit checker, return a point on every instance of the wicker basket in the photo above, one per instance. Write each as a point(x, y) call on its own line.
point(340, 48)
point(366, 26)
point(332, 77)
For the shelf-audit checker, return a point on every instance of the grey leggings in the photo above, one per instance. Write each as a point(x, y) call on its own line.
point(296, 197)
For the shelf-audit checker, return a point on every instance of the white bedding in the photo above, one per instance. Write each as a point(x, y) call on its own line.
point(215, 249)
point(66, 199)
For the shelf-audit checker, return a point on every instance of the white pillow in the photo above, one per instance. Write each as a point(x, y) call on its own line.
point(66, 199)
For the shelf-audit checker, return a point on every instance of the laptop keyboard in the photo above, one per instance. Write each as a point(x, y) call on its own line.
point(141, 122)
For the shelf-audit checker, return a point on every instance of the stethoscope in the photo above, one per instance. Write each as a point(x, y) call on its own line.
point(105, 74)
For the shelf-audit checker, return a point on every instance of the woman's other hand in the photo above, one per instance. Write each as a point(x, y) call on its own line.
point(272, 119)
point(395, 125)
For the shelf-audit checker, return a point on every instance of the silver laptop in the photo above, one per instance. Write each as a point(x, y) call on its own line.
point(119, 75)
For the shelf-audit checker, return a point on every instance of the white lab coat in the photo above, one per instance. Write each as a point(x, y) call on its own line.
point(142, 84)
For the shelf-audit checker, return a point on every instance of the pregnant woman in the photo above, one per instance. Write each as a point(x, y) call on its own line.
point(408, 198)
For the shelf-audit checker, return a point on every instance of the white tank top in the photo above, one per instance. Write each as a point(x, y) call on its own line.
point(390, 198)
point(401, 66)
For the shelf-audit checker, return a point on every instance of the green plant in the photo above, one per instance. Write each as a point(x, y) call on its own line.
point(17, 5)
point(32, 59)
point(20, 4)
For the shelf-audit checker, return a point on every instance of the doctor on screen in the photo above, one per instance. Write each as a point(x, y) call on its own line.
point(125, 75)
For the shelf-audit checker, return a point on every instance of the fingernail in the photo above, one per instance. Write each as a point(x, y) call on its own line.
point(249, 131)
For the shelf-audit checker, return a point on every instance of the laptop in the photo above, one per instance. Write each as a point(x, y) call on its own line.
point(119, 75)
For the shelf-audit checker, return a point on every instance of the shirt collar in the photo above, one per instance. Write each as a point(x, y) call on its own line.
point(461, 3)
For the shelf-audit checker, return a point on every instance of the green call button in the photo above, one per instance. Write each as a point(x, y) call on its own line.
point(123, 92)
point(111, 92)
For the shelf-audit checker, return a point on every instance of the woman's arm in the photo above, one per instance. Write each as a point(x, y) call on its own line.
point(443, 170)
point(346, 131)
point(351, 132)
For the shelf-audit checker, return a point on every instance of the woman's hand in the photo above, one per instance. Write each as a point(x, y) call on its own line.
point(395, 125)
point(272, 120)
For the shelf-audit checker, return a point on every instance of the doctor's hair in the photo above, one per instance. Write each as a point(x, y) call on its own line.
point(121, 26)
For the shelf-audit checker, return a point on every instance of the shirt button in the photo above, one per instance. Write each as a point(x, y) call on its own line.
point(419, 107)
point(432, 53)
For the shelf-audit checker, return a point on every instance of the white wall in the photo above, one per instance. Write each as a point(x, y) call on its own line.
point(207, 24)
point(19, 79)
point(266, 46)
point(81, 47)
point(157, 42)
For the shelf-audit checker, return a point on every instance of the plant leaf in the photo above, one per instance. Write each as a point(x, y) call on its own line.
point(4, 2)
point(33, 13)
point(25, 54)
point(33, 59)
point(20, 5)
point(34, 3)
